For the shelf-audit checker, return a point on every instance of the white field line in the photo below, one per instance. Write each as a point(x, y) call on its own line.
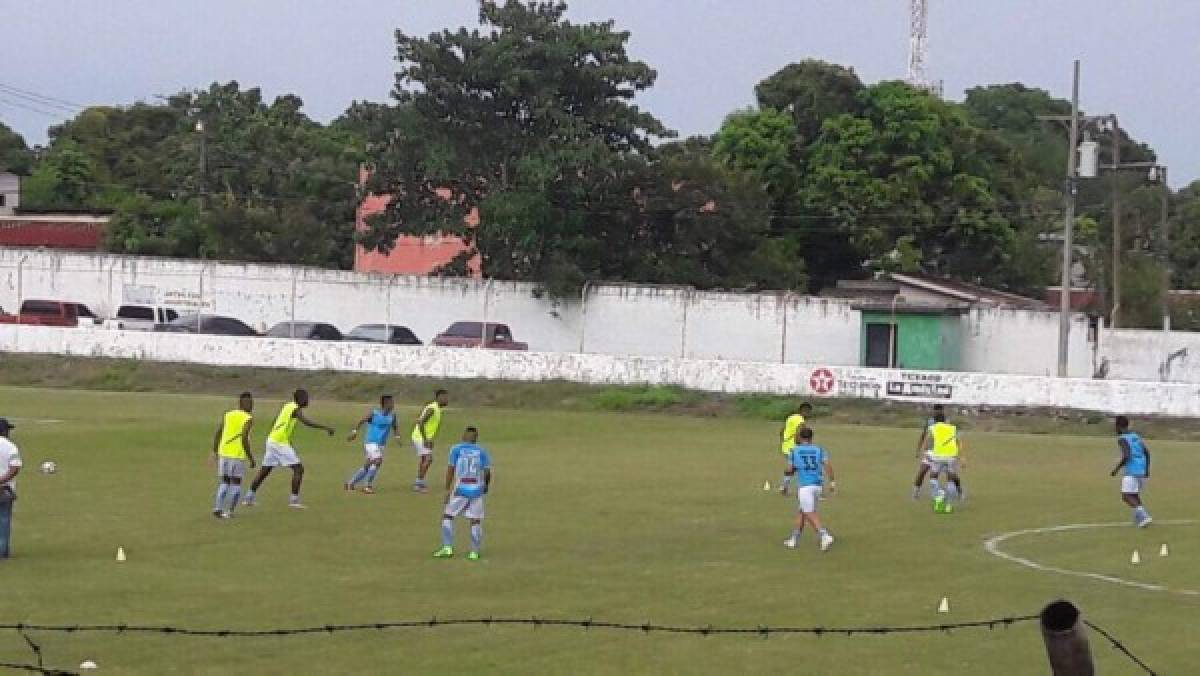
point(992, 545)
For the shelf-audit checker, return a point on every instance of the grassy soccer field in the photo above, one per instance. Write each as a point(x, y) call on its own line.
point(617, 516)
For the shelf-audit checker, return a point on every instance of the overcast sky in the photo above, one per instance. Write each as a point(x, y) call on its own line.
point(1141, 58)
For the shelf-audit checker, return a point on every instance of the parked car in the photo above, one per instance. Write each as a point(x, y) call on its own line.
point(207, 324)
point(479, 334)
point(45, 313)
point(143, 317)
point(305, 331)
point(383, 333)
point(86, 316)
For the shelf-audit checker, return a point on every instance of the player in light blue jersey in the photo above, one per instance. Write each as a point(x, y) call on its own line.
point(468, 478)
point(1135, 459)
point(810, 465)
point(381, 425)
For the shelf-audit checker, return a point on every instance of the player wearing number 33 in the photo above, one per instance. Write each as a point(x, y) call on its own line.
point(468, 478)
point(810, 465)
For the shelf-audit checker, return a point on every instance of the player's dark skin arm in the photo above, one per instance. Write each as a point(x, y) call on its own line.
point(315, 425)
point(246, 442)
point(365, 419)
point(1124, 457)
point(217, 438)
point(449, 481)
point(10, 474)
point(487, 480)
point(923, 441)
point(832, 478)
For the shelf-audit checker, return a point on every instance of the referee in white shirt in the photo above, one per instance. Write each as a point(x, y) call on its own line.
point(10, 466)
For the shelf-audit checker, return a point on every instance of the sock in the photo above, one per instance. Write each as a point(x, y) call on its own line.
point(293, 499)
point(476, 536)
point(371, 473)
point(358, 476)
point(447, 532)
point(823, 531)
point(234, 492)
point(1140, 513)
point(250, 495)
point(219, 500)
point(786, 480)
point(934, 487)
point(796, 533)
point(951, 490)
point(916, 490)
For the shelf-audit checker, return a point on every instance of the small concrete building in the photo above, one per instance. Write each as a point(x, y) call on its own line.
point(915, 321)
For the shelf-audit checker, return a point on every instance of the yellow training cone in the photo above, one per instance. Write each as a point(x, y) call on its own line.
point(766, 485)
point(1163, 551)
point(1136, 558)
point(944, 606)
point(120, 554)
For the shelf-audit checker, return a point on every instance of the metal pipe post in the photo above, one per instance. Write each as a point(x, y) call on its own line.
point(1066, 640)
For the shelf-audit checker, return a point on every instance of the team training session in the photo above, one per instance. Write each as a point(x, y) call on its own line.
point(599, 337)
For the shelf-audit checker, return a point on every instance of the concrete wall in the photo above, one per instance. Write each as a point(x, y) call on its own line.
point(614, 319)
point(1151, 355)
point(1140, 398)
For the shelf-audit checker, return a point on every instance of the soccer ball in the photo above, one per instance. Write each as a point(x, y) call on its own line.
point(49, 467)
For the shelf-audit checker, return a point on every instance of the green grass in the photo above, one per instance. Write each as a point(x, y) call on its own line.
point(619, 516)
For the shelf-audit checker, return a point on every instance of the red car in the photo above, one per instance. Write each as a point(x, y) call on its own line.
point(479, 334)
point(48, 313)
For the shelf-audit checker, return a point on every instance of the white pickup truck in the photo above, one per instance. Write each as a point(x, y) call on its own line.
point(141, 317)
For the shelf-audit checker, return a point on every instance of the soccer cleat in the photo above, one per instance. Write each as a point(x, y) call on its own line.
point(348, 486)
point(939, 505)
point(790, 543)
point(1145, 522)
point(226, 515)
point(444, 553)
point(248, 502)
point(826, 542)
point(420, 488)
point(367, 490)
point(217, 513)
point(473, 556)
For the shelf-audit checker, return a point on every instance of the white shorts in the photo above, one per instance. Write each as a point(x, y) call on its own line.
point(943, 463)
point(808, 496)
point(421, 449)
point(231, 467)
point(373, 451)
point(927, 459)
point(280, 455)
point(472, 508)
point(1132, 485)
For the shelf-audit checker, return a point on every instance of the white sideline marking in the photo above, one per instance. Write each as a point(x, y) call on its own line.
point(39, 421)
point(992, 545)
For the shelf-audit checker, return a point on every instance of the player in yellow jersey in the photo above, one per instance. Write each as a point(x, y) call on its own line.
point(279, 448)
point(787, 438)
point(231, 451)
point(945, 455)
point(424, 431)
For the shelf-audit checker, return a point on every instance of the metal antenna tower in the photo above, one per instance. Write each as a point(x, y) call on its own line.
point(918, 47)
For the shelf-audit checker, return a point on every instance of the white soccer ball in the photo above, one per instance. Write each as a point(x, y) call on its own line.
point(49, 467)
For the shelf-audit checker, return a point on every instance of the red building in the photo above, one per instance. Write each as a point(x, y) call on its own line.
point(53, 230)
point(410, 255)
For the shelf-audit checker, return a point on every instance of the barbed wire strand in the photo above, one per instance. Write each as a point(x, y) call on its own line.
point(1117, 645)
point(36, 669)
point(763, 631)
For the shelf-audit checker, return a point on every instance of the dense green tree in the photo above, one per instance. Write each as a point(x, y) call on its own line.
point(764, 142)
point(15, 156)
point(910, 184)
point(530, 120)
point(811, 91)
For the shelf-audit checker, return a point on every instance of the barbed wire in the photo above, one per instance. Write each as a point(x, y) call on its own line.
point(1117, 645)
point(763, 631)
point(36, 669)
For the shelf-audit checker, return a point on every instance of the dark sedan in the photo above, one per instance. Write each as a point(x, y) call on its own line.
point(305, 331)
point(215, 325)
point(383, 333)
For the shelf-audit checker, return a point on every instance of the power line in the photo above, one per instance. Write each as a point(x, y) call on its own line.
point(32, 109)
point(49, 100)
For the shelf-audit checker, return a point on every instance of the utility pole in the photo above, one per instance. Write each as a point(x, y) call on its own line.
point(1064, 318)
point(1116, 223)
point(1164, 230)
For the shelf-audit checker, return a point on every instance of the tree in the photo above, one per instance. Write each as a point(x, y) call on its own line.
point(14, 154)
point(910, 184)
point(811, 91)
point(764, 142)
point(530, 121)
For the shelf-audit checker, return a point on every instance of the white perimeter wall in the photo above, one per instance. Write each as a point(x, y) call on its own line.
point(1140, 398)
point(613, 320)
